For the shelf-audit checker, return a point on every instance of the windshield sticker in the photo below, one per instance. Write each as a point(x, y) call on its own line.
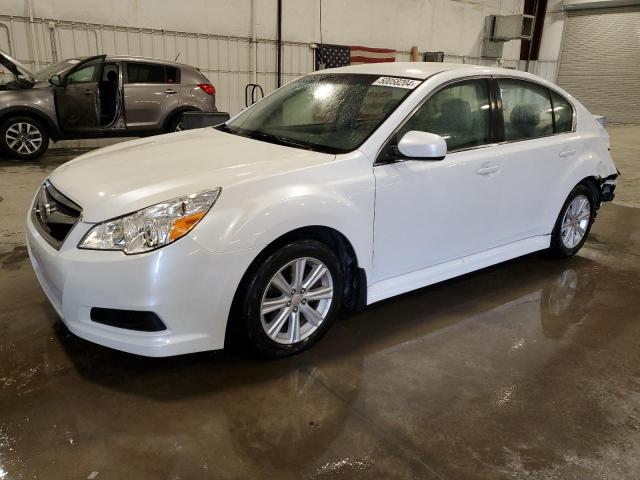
point(397, 82)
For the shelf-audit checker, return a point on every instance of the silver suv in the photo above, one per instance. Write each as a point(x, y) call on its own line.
point(101, 96)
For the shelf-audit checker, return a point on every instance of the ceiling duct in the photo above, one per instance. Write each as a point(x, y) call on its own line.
point(502, 28)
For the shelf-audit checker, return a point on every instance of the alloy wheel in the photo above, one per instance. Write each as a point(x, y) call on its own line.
point(23, 138)
point(296, 300)
point(575, 221)
point(179, 127)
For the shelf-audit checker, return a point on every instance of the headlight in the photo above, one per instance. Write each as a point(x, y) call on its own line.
point(152, 227)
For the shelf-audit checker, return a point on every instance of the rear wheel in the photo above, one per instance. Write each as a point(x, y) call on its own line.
point(574, 222)
point(291, 299)
point(23, 137)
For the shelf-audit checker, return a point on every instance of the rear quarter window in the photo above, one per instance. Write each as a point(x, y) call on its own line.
point(563, 112)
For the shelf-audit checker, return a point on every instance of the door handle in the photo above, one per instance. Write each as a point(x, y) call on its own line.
point(88, 92)
point(568, 152)
point(170, 92)
point(488, 169)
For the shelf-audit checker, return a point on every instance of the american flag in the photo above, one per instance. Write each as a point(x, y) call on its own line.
point(332, 56)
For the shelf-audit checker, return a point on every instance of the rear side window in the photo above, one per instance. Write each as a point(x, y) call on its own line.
point(152, 73)
point(563, 112)
point(459, 113)
point(173, 74)
point(526, 109)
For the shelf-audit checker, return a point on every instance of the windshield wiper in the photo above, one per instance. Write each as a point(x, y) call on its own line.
point(270, 137)
point(223, 127)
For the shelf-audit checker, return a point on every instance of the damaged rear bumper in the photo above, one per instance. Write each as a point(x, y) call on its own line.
point(607, 187)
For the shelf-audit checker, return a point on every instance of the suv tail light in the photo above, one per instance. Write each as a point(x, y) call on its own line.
point(207, 88)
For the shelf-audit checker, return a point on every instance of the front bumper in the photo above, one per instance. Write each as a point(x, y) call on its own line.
point(189, 287)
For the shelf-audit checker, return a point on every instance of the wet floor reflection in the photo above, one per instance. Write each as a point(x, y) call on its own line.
point(527, 369)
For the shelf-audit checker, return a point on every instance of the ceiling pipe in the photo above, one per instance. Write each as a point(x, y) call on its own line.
point(34, 41)
point(279, 46)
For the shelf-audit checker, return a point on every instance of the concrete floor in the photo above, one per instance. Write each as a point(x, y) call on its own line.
point(530, 369)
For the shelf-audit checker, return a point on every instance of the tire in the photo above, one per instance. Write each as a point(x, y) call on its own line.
point(175, 125)
point(256, 318)
point(565, 242)
point(23, 137)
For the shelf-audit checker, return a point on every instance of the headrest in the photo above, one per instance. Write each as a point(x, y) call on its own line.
point(456, 114)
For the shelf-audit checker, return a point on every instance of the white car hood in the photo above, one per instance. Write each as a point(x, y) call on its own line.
point(126, 177)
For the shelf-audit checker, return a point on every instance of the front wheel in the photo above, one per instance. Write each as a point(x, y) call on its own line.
point(23, 137)
point(574, 222)
point(291, 299)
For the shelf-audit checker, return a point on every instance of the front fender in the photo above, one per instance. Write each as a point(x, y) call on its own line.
point(338, 195)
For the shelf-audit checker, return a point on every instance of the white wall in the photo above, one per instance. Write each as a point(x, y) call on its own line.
point(453, 26)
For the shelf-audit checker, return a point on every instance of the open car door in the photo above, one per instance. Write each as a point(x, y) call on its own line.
point(77, 97)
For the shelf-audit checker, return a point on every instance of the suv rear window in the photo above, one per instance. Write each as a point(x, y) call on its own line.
point(152, 73)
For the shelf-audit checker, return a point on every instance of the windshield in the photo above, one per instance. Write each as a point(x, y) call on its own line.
point(47, 72)
point(334, 113)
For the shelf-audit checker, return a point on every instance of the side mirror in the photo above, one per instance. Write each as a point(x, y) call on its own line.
point(56, 80)
point(422, 145)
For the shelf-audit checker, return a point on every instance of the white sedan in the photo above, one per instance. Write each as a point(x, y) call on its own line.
point(342, 188)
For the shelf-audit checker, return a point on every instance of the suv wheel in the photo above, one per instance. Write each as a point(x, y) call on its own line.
point(23, 137)
point(175, 125)
point(291, 299)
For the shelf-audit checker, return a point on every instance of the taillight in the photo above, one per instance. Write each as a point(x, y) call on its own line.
point(207, 88)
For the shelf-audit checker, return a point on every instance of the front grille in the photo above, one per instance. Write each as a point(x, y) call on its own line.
point(54, 215)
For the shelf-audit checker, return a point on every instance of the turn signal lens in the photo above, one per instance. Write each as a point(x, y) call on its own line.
point(182, 225)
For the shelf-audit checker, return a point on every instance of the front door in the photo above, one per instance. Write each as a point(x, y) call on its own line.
point(78, 99)
point(430, 212)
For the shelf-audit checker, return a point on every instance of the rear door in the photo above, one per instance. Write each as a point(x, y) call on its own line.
point(538, 147)
point(77, 99)
point(151, 93)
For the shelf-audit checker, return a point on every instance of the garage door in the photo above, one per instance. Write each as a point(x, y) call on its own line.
point(600, 62)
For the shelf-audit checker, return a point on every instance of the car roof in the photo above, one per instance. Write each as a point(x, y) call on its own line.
point(131, 58)
point(419, 70)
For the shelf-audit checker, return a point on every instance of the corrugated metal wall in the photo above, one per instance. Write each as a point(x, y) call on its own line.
point(600, 62)
point(225, 60)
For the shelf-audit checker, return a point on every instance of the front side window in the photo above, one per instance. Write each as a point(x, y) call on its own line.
point(563, 112)
point(326, 112)
point(85, 74)
point(460, 113)
point(526, 109)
